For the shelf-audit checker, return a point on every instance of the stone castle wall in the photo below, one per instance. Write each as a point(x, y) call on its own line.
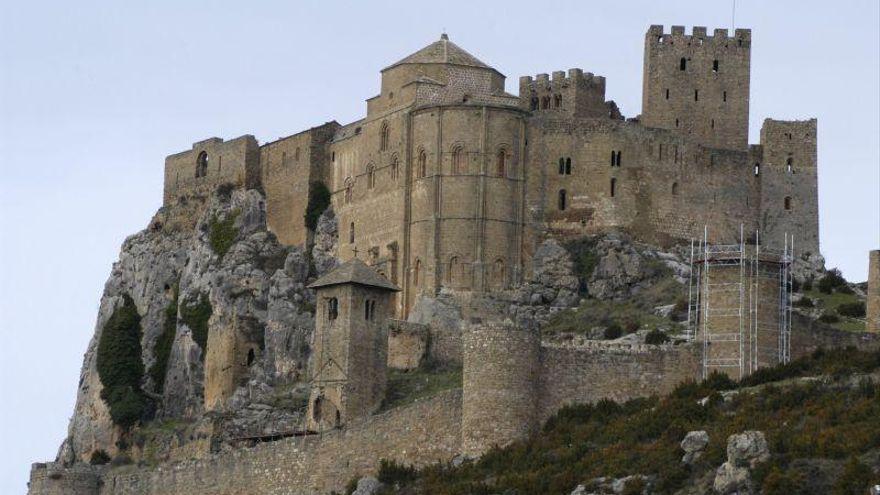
point(873, 293)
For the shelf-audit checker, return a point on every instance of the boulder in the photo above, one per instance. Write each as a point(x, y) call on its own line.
point(693, 444)
point(747, 449)
point(731, 479)
point(367, 486)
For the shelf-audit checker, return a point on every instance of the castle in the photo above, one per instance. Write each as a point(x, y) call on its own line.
point(449, 181)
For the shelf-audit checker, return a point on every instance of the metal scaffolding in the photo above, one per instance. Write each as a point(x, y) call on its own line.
point(727, 304)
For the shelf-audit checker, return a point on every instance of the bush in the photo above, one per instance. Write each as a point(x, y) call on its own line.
point(222, 233)
point(804, 302)
point(162, 349)
point(808, 284)
point(656, 337)
point(853, 309)
point(195, 315)
point(829, 317)
point(613, 331)
point(584, 257)
point(99, 457)
point(224, 191)
point(854, 480)
point(391, 473)
point(120, 366)
point(319, 200)
point(832, 280)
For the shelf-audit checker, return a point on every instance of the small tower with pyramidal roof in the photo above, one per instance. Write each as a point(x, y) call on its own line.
point(350, 345)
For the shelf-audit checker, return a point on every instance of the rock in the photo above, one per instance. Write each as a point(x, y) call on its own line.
point(747, 449)
point(367, 486)
point(730, 479)
point(460, 459)
point(693, 444)
point(326, 245)
point(664, 311)
point(579, 490)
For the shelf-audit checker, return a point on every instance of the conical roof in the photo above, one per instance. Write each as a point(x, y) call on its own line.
point(354, 271)
point(442, 52)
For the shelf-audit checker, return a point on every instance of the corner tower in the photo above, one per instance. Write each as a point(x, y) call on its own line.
point(698, 84)
point(350, 345)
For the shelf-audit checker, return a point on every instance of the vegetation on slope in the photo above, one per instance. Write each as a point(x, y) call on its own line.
point(222, 233)
point(162, 349)
point(195, 315)
point(319, 200)
point(404, 387)
point(120, 367)
point(816, 432)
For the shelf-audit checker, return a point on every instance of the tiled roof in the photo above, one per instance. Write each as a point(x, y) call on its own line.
point(354, 271)
point(442, 52)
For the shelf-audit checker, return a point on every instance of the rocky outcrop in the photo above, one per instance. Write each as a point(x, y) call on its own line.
point(367, 486)
point(551, 287)
point(256, 287)
point(744, 451)
point(693, 444)
point(326, 246)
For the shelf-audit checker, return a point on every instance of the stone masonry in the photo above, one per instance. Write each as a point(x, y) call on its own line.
point(873, 303)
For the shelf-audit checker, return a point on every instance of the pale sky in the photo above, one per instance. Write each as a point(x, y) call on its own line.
point(94, 95)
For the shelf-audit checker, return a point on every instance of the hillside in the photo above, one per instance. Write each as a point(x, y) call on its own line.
point(818, 415)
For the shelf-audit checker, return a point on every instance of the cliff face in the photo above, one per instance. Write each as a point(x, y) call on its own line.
point(224, 291)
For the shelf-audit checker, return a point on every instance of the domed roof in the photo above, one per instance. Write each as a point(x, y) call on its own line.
point(442, 52)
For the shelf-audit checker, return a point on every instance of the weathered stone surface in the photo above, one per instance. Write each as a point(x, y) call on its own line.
point(367, 485)
point(747, 448)
point(693, 444)
point(732, 479)
point(326, 248)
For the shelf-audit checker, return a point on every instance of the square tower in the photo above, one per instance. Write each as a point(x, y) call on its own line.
point(698, 84)
point(350, 346)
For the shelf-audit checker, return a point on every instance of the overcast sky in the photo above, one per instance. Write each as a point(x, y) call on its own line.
point(94, 95)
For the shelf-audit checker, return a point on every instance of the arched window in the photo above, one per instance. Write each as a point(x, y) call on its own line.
point(371, 176)
point(296, 154)
point(787, 202)
point(251, 357)
point(715, 65)
point(757, 169)
point(557, 101)
point(369, 309)
point(613, 186)
point(351, 233)
point(417, 271)
point(499, 273)
point(452, 270)
point(395, 168)
point(545, 102)
point(422, 167)
point(562, 166)
point(332, 308)
point(501, 163)
point(675, 188)
point(568, 166)
point(562, 200)
point(682, 64)
point(789, 165)
point(533, 104)
point(202, 164)
point(383, 137)
point(349, 190)
point(457, 160)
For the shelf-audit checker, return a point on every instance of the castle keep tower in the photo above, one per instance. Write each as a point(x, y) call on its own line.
point(698, 84)
point(350, 345)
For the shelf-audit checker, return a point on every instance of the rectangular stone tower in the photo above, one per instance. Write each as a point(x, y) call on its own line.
point(698, 84)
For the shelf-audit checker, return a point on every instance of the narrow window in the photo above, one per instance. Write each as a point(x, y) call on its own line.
point(612, 158)
point(613, 186)
point(332, 308)
point(696, 95)
point(557, 101)
point(202, 165)
point(250, 357)
point(394, 168)
point(757, 169)
point(545, 102)
point(383, 138)
point(457, 160)
point(369, 310)
point(219, 164)
point(568, 166)
point(333, 156)
point(371, 176)
point(533, 105)
point(715, 65)
point(349, 190)
point(675, 188)
point(295, 154)
point(787, 202)
point(561, 166)
point(501, 163)
point(675, 153)
point(667, 93)
point(422, 169)
point(416, 272)
point(676, 122)
point(682, 64)
point(451, 270)
point(351, 233)
point(789, 165)
point(562, 200)
point(713, 123)
point(660, 154)
point(724, 96)
point(618, 158)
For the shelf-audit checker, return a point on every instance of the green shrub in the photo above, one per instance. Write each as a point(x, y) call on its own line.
point(828, 317)
point(656, 337)
point(391, 473)
point(613, 331)
point(195, 315)
point(224, 191)
point(804, 302)
point(808, 284)
point(845, 289)
point(833, 279)
point(222, 233)
point(120, 366)
point(162, 349)
point(853, 309)
point(319, 200)
point(584, 257)
point(99, 457)
point(854, 480)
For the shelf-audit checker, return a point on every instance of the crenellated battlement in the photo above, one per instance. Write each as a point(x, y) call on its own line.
point(575, 78)
point(699, 37)
point(577, 93)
